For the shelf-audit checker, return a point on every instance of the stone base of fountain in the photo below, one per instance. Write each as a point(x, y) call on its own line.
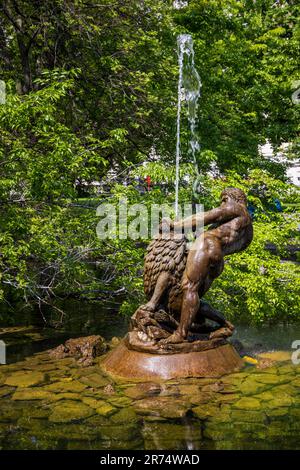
point(219, 359)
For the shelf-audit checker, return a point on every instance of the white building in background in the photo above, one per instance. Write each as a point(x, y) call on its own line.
point(293, 173)
point(293, 170)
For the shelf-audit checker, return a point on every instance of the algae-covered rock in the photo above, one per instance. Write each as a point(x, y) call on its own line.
point(273, 379)
point(166, 436)
point(228, 398)
point(280, 400)
point(9, 412)
point(46, 367)
point(289, 369)
point(295, 382)
point(6, 391)
point(162, 406)
point(204, 412)
point(84, 372)
point(118, 433)
point(66, 386)
point(142, 390)
point(92, 402)
point(126, 415)
point(295, 412)
point(279, 412)
point(201, 398)
point(223, 415)
point(235, 379)
point(169, 391)
point(247, 403)
point(248, 416)
point(277, 356)
point(105, 409)
point(250, 386)
point(94, 380)
point(214, 387)
point(265, 396)
point(66, 396)
point(31, 394)
point(188, 390)
point(26, 378)
point(119, 402)
point(234, 430)
point(285, 389)
point(35, 412)
point(67, 411)
point(68, 432)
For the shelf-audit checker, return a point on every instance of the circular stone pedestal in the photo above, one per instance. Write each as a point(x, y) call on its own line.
point(130, 364)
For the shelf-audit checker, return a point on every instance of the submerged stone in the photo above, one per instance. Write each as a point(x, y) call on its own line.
point(119, 402)
point(68, 411)
point(296, 382)
point(25, 378)
point(278, 401)
point(142, 390)
point(9, 412)
point(162, 406)
point(290, 369)
point(204, 412)
point(69, 432)
point(5, 391)
point(272, 379)
point(250, 386)
point(248, 416)
point(214, 387)
point(32, 394)
point(228, 397)
point(277, 356)
point(247, 403)
point(279, 412)
point(189, 390)
point(162, 435)
point(94, 380)
point(126, 415)
point(118, 433)
point(265, 396)
point(66, 386)
point(201, 398)
point(65, 396)
point(105, 409)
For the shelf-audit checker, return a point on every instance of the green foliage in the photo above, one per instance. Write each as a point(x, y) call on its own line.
point(91, 96)
point(246, 55)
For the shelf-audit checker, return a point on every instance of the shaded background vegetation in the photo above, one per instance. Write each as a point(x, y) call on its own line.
point(91, 96)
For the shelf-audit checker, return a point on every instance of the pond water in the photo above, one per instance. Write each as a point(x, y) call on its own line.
point(49, 403)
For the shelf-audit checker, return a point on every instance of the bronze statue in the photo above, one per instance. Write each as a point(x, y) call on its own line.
point(176, 279)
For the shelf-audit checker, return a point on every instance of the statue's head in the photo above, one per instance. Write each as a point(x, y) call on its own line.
point(234, 193)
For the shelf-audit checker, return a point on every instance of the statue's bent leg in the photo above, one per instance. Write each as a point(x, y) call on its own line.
point(161, 286)
point(210, 313)
point(196, 271)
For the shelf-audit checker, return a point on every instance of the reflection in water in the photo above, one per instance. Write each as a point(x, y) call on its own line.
point(48, 403)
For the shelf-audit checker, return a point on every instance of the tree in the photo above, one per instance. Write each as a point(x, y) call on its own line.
point(246, 54)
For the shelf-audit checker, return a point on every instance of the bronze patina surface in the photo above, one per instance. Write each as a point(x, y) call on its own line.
point(176, 328)
point(127, 363)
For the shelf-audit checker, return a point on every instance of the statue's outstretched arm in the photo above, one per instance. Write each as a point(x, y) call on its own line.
point(217, 215)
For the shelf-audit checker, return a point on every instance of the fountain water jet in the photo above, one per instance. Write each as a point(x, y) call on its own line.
point(189, 89)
